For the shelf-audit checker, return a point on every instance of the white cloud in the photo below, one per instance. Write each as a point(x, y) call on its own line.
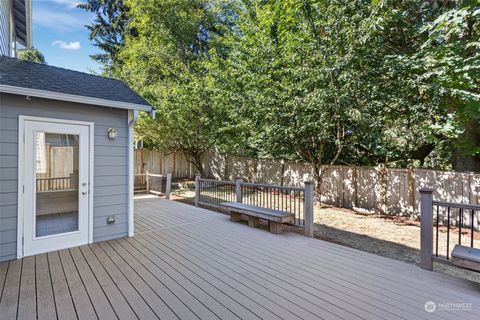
point(69, 3)
point(61, 21)
point(74, 45)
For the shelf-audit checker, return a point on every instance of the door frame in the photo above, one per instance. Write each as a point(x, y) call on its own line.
point(21, 174)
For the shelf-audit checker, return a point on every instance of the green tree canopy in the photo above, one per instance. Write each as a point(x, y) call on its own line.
point(324, 81)
point(31, 54)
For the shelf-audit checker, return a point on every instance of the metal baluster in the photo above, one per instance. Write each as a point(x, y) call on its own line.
point(448, 233)
point(436, 240)
point(471, 229)
point(460, 227)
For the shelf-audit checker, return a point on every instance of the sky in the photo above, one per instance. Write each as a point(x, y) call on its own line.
point(58, 31)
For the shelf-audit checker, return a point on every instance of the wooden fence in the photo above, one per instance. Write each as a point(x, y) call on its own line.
point(380, 189)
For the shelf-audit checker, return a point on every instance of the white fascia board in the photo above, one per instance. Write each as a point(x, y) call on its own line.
point(73, 98)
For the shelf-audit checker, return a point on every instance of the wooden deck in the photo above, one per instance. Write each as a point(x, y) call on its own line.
point(189, 263)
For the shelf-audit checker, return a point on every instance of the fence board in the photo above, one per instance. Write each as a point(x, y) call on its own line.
point(390, 190)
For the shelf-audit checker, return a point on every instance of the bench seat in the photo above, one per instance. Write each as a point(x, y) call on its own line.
point(275, 217)
point(466, 257)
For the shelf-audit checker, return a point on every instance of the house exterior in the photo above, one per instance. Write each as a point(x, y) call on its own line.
point(15, 25)
point(66, 158)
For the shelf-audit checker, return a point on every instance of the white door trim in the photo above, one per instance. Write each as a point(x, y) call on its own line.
point(21, 175)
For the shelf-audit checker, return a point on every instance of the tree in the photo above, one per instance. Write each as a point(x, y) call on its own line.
point(333, 81)
point(450, 55)
point(109, 28)
point(165, 62)
point(293, 76)
point(31, 54)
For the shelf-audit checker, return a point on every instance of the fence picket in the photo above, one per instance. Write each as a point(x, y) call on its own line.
point(394, 190)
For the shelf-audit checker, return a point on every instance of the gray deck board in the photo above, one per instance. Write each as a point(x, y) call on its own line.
point(113, 294)
point(334, 291)
point(135, 300)
point(11, 287)
point(350, 284)
point(63, 299)
point(207, 294)
point(45, 299)
point(103, 308)
point(277, 275)
point(81, 301)
point(164, 293)
point(146, 291)
point(190, 263)
point(3, 275)
point(27, 305)
point(191, 301)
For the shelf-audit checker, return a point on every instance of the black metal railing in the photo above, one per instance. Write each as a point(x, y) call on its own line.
point(453, 218)
point(289, 199)
point(214, 192)
point(281, 198)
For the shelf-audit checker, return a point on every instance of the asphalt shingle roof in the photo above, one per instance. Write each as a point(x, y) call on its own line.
point(25, 74)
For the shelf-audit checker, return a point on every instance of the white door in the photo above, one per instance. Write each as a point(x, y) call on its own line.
point(56, 186)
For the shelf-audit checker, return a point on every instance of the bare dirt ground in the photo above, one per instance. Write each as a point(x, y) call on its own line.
point(388, 236)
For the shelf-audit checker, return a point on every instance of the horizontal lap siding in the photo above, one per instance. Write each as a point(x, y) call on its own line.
point(110, 164)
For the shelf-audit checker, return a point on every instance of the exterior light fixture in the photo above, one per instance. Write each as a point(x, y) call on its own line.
point(112, 133)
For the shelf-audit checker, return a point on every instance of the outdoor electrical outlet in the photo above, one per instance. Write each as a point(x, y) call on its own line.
point(111, 220)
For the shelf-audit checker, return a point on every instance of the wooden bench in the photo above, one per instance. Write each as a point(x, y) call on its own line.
point(466, 257)
point(275, 217)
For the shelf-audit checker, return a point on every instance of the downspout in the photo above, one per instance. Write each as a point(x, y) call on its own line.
point(132, 120)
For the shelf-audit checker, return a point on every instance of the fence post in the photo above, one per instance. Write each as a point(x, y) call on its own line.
point(411, 190)
point(238, 189)
point(168, 187)
point(308, 210)
point(426, 228)
point(147, 180)
point(197, 189)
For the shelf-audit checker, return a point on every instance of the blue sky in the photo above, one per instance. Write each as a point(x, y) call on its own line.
point(58, 32)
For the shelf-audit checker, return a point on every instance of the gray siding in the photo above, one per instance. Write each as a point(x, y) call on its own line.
point(110, 164)
point(5, 6)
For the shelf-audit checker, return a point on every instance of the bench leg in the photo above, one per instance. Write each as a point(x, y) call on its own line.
point(253, 222)
point(235, 216)
point(275, 227)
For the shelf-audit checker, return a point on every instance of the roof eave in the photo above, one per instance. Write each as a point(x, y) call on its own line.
point(74, 98)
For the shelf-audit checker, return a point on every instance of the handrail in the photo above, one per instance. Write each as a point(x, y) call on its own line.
point(218, 181)
point(456, 205)
point(156, 175)
point(260, 185)
point(53, 178)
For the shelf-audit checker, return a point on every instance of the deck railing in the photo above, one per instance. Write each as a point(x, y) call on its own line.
point(53, 184)
point(453, 223)
point(298, 201)
point(157, 184)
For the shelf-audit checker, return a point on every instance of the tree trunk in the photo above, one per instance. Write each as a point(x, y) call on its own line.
point(196, 160)
point(465, 162)
point(318, 180)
